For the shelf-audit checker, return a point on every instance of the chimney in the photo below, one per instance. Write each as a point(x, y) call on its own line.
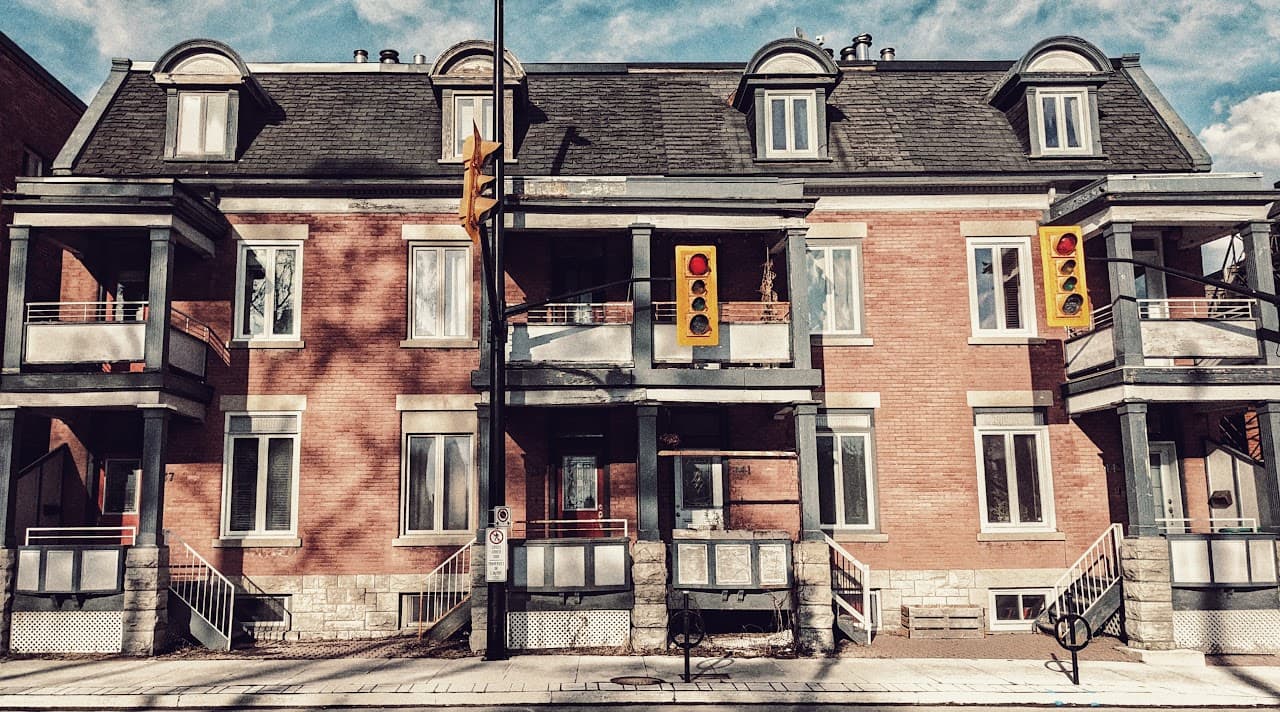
point(886, 54)
point(862, 47)
point(419, 58)
point(389, 56)
point(361, 56)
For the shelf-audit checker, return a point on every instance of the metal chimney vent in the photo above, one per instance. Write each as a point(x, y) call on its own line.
point(389, 56)
point(862, 46)
point(361, 56)
point(886, 54)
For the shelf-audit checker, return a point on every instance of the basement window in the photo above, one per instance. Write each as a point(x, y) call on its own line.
point(1016, 609)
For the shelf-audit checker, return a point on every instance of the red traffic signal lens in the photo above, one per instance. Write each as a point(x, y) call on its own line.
point(1072, 305)
point(1066, 244)
point(699, 265)
point(699, 325)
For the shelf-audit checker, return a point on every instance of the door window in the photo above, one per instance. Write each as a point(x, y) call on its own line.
point(580, 483)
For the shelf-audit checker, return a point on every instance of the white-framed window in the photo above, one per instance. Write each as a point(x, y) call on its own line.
point(791, 124)
point(120, 486)
point(260, 473)
point(469, 109)
point(32, 163)
point(437, 483)
point(439, 291)
point(835, 287)
point(846, 493)
point(269, 291)
point(1064, 122)
point(203, 125)
point(1015, 486)
point(1001, 302)
point(1016, 609)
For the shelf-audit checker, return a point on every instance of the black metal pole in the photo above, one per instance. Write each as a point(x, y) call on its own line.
point(684, 617)
point(1200, 279)
point(1075, 665)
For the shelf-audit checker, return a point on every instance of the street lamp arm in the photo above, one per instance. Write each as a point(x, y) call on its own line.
point(1219, 284)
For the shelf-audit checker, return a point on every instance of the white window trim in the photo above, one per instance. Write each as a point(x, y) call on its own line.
point(438, 514)
point(1041, 433)
point(457, 131)
point(203, 139)
point(838, 485)
point(812, 118)
point(1084, 129)
point(466, 336)
point(260, 531)
point(137, 489)
point(1026, 288)
point(1019, 625)
point(826, 246)
point(238, 318)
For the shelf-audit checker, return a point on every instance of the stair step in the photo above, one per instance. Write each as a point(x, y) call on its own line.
point(852, 630)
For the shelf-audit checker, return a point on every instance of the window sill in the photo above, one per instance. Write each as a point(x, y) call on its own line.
point(257, 542)
point(838, 340)
point(435, 539)
point(1069, 156)
point(265, 344)
point(857, 537)
point(1021, 536)
point(1005, 340)
point(212, 158)
point(439, 344)
point(795, 159)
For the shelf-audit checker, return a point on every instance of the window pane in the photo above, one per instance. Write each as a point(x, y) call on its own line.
point(120, 490)
point(426, 287)
point(422, 473)
point(826, 480)
point(853, 467)
point(994, 468)
point(819, 288)
point(580, 483)
point(457, 468)
point(842, 269)
point(1049, 114)
point(800, 119)
point(1011, 287)
point(1032, 605)
point(286, 260)
point(697, 489)
point(1028, 477)
point(778, 124)
point(463, 121)
point(215, 127)
point(244, 484)
point(255, 292)
point(984, 275)
point(1071, 120)
point(190, 107)
point(457, 286)
point(279, 484)
point(486, 127)
point(1007, 607)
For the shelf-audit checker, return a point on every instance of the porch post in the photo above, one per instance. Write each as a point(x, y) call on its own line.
point(798, 293)
point(1127, 330)
point(1261, 277)
point(158, 298)
point(8, 554)
point(1137, 468)
point(642, 299)
point(19, 237)
point(155, 437)
point(1268, 483)
point(647, 472)
point(806, 417)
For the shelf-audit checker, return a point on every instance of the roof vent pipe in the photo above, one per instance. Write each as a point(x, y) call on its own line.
point(419, 58)
point(862, 46)
point(847, 54)
point(361, 56)
point(886, 54)
point(389, 56)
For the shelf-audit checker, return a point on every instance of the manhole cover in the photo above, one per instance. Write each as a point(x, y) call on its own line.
point(637, 680)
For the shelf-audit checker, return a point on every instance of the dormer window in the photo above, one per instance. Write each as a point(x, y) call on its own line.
point(471, 110)
point(791, 124)
point(463, 79)
point(784, 96)
point(204, 125)
point(1064, 123)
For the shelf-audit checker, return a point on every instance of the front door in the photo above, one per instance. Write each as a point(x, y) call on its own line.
point(699, 493)
point(580, 500)
point(118, 482)
point(1166, 485)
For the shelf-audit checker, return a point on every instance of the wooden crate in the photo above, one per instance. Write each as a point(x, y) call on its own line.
point(943, 621)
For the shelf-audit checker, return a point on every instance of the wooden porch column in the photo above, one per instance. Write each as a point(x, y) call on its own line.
point(1261, 277)
point(647, 472)
point(158, 298)
point(642, 299)
point(1268, 482)
point(1137, 468)
point(806, 417)
point(19, 237)
point(798, 293)
point(155, 438)
point(1126, 328)
point(9, 439)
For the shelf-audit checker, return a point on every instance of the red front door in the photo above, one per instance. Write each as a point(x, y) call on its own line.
point(580, 496)
point(118, 482)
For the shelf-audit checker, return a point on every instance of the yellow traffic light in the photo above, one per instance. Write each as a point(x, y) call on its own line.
point(1066, 296)
point(697, 307)
point(475, 205)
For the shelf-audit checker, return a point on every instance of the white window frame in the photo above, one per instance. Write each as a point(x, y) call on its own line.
point(1026, 287)
point(438, 464)
point(1019, 625)
point(295, 333)
point(442, 309)
point(1041, 434)
point(1084, 126)
point(137, 485)
point(459, 131)
point(203, 150)
point(789, 96)
point(838, 484)
point(826, 247)
point(260, 515)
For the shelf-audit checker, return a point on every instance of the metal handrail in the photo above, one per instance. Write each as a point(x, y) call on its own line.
point(202, 587)
point(579, 313)
point(197, 329)
point(1186, 523)
point(1197, 308)
point(563, 527)
point(1091, 576)
point(445, 588)
point(101, 535)
point(733, 312)
point(841, 562)
point(121, 312)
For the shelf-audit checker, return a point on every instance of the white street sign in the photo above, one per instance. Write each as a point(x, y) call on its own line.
point(495, 555)
point(501, 516)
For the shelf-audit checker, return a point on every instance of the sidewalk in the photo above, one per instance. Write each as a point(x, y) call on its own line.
point(580, 679)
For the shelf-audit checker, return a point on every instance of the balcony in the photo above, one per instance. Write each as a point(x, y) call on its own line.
point(750, 333)
point(573, 334)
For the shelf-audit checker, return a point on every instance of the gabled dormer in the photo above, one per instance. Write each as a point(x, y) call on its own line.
point(783, 92)
point(463, 80)
point(1051, 98)
point(208, 88)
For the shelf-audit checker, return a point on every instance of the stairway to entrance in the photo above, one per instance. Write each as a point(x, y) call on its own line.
point(1091, 587)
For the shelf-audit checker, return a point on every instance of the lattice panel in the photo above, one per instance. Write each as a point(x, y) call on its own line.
point(1227, 631)
point(568, 629)
point(66, 631)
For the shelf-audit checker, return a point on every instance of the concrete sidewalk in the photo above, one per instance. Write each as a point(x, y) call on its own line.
point(580, 679)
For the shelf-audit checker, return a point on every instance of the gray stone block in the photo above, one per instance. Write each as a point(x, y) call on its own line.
point(649, 573)
point(649, 616)
point(816, 641)
point(811, 552)
point(648, 639)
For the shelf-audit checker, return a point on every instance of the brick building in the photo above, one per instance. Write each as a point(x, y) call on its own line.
point(270, 335)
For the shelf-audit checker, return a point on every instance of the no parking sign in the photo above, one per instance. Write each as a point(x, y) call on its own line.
point(495, 555)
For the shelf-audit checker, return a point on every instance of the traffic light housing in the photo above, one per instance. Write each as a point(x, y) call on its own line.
point(476, 204)
point(1066, 295)
point(697, 307)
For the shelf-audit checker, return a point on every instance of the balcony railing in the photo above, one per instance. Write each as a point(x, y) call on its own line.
point(572, 333)
point(750, 332)
point(578, 314)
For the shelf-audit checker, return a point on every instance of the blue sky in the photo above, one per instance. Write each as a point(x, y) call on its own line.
point(1217, 61)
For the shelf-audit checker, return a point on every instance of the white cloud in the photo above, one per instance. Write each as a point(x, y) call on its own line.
point(130, 28)
point(1249, 139)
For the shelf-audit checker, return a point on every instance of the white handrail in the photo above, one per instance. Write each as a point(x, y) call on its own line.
point(573, 526)
point(446, 587)
point(1086, 580)
point(583, 313)
point(203, 588)
point(1197, 308)
point(841, 562)
point(86, 312)
point(100, 535)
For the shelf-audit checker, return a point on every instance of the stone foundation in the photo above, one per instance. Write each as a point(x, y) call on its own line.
point(479, 602)
point(1148, 596)
point(649, 616)
point(146, 600)
point(340, 607)
point(949, 587)
point(8, 572)
point(815, 621)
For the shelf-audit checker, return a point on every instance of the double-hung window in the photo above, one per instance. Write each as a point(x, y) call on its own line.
point(437, 483)
point(835, 290)
point(260, 481)
point(1064, 122)
point(203, 128)
point(791, 124)
point(269, 291)
point(439, 292)
point(120, 486)
point(846, 491)
point(1015, 489)
point(469, 110)
point(1000, 284)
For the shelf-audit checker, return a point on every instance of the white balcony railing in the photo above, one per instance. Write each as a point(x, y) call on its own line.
point(573, 333)
point(554, 528)
point(1192, 308)
point(86, 312)
point(750, 332)
point(581, 314)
